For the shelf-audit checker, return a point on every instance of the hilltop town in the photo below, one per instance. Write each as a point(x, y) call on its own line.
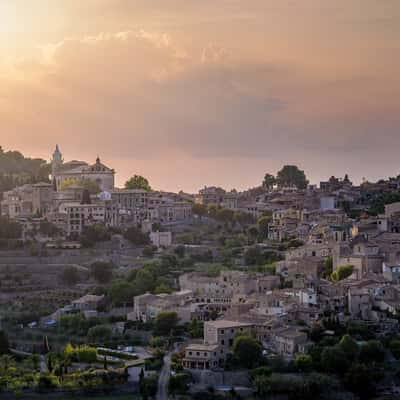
point(287, 289)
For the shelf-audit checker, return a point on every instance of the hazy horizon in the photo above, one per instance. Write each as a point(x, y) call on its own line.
point(190, 93)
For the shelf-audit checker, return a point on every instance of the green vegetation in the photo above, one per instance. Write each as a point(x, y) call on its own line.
point(101, 271)
point(255, 255)
point(247, 351)
point(9, 229)
point(342, 272)
point(136, 236)
point(165, 322)
point(378, 204)
point(289, 175)
point(179, 384)
point(269, 181)
point(92, 187)
point(93, 234)
point(4, 344)
point(138, 182)
point(17, 170)
point(70, 276)
point(82, 353)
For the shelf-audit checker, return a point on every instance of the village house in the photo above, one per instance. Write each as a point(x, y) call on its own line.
point(202, 356)
point(147, 306)
point(289, 341)
point(27, 201)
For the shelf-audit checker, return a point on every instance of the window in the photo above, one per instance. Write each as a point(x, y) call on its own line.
point(222, 342)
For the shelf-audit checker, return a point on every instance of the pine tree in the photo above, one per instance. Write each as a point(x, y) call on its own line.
point(105, 366)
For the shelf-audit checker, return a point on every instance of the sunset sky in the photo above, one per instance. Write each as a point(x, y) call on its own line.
point(195, 92)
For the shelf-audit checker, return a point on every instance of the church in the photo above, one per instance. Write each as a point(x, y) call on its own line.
point(80, 170)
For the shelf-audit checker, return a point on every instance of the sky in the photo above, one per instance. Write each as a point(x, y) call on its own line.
point(191, 93)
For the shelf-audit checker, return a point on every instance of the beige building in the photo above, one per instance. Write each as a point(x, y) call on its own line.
point(219, 289)
point(27, 201)
point(79, 216)
point(289, 341)
point(223, 333)
point(201, 356)
point(80, 170)
point(147, 306)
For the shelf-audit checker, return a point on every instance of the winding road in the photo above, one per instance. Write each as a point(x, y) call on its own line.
point(162, 391)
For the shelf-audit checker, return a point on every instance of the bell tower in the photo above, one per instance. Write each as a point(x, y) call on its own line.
point(56, 163)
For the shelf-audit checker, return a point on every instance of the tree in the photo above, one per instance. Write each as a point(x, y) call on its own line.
point(372, 352)
point(378, 204)
point(144, 281)
point(86, 197)
point(342, 272)
point(9, 229)
point(4, 344)
point(163, 288)
point(149, 251)
point(263, 223)
point(303, 362)
point(6, 362)
point(253, 255)
point(138, 182)
point(334, 360)
point(122, 292)
point(358, 380)
point(253, 232)
point(48, 229)
point(93, 234)
point(142, 385)
point(180, 251)
point(178, 384)
point(247, 351)
point(291, 175)
point(195, 328)
point(349, 346)
point(136, 236)
point(262, 386)
point(89, 185)
point(269, 181)
point(99, 333)
point(225, 216)
point(328, 268)
point(70, 275)
point(165, 322)
point(105, 364)
point(243, 218)
point(394, 346)
point(17, 170)
point(101, 271)
point(45, 346)
point(199, 209)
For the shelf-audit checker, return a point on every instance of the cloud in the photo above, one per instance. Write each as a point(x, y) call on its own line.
point(140, 96)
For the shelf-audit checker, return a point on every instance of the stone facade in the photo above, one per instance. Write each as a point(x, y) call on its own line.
point(80, 170)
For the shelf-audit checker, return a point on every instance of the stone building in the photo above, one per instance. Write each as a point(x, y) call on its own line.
point(80, 170)
point(27, 200)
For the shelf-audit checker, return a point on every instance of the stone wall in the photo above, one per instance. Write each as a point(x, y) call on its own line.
point(237, 378)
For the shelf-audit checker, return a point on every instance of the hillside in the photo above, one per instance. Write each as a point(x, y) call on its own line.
point(16, 169)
